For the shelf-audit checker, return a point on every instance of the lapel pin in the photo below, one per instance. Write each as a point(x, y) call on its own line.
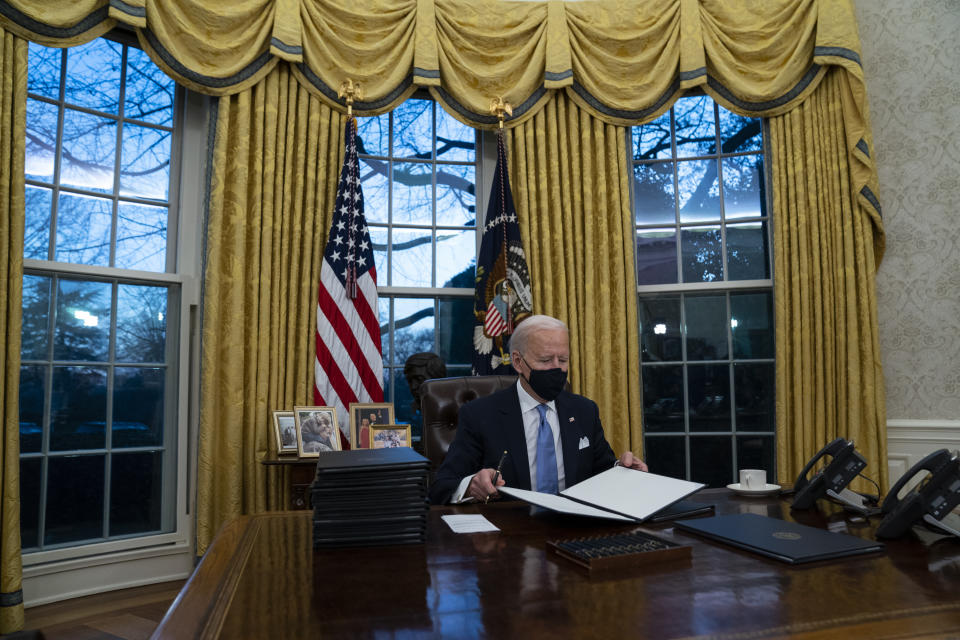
point(571, 418)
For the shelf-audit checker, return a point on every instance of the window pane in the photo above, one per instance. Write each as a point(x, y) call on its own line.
point(706, 319)
point(455, 257)
point(93, 75)
point(74, 498)
point(89, 146)
point(455, 331)
point(752, 325)
point(141, 323)
point(413, 327)
point(36, 234)
point(149, 92)
point(700, 254)
point(412, 193)
point(78, 411)
point(656, 256)
point(137, 407)
point(660, 329)
point(378, 240)
point(136, 483)
point(384, 319)
point(373, 181)
point(82, 329)
point(30, 479)
point(754, 384)
point(654, 198)
point(413, 129)
point(145, 162)
point(699, 191)
point(456, 200)
point(32, 393)
point(141, 237)
point(739, 133)
point(36, 312)
point(455, 140)
point(652, 140)
point(666, 456)
point(43, 70)
point(709, 389)
point(663, 398)
point(711, 460)
point(412, 258)
point(741, 187)
point(696, 135)
point(83, 229)
point(747, 257)
point(41, 142)
point(756, 452)
point(403, 413)
point(374, 136)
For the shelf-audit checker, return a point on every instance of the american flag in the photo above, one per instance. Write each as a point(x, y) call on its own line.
point(349, 364)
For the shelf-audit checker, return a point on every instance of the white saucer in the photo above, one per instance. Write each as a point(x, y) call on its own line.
point(766, 491)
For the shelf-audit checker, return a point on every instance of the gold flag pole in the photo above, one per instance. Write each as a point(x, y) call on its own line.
point(350, 91)
point(500, 108)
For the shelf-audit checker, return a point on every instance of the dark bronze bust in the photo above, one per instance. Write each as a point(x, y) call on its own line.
point(419, 367)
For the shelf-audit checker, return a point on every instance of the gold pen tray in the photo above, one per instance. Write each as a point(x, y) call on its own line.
point(619, 550)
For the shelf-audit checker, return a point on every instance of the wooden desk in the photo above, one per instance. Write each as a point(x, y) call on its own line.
point(302, 471)
point(261, 579)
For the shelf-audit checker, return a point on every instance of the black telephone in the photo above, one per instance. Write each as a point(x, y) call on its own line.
point(930, 501)
point(832, 480)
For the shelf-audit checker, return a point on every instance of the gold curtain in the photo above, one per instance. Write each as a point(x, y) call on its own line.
point(276, 159)
point(619, 62)
point(570, 177)
point(829, 378)
point(13, 113)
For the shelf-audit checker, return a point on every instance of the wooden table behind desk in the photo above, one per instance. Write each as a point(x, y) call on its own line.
point(261, 579)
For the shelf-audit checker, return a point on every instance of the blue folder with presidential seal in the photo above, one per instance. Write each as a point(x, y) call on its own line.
point(779, 539)
point(618, 493)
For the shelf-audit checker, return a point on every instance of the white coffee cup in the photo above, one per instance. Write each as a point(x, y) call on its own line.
point(753, 479)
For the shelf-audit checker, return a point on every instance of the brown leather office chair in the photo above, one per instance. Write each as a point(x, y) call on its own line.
point(440, 401)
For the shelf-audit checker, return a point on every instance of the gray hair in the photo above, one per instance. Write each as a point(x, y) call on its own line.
point(532, 324)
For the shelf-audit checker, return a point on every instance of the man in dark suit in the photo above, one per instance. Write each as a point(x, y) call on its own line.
point(553, 438)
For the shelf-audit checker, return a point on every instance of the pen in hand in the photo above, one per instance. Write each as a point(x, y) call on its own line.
point(496, 476)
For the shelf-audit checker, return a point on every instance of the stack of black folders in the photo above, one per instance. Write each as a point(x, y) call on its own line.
point(367, 497)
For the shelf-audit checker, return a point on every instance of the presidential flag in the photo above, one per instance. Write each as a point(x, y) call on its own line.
point(349, 365)
point(502, 296)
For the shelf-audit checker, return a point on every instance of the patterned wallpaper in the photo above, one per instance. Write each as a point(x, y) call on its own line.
point(912, 69)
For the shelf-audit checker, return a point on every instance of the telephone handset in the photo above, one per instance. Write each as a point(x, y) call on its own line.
point(931, 500)
point(832, 480)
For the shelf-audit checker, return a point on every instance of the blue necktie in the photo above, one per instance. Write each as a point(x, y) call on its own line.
point(546, 456)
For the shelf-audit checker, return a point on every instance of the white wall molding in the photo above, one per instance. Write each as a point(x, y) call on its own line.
point(908, 441)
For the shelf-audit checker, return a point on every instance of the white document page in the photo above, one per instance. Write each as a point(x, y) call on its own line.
point(638, 494)
point(559, 503)
point(469, 523)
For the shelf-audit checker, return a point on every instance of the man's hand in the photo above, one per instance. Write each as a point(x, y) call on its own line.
point(481, 485)
point(632, 462)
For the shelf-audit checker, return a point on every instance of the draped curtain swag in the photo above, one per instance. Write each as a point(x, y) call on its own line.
point(576, 73)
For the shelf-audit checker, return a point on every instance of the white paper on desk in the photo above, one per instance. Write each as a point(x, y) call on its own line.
point(559, 503)
point(633, 493)
point(469, 523)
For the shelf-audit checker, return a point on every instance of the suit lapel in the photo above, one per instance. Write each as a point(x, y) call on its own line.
point(569, 439)
point(516, 439)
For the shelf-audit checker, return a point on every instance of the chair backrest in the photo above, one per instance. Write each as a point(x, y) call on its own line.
point(440, 401)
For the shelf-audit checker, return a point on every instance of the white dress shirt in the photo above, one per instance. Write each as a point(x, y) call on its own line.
point(531, 427)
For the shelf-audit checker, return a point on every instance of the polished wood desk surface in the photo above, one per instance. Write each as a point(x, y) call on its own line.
point(262, 579)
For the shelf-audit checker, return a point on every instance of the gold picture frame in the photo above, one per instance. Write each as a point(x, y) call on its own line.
point(387, 436)
point(285, 432)
point(365, 414)
point(317, 431)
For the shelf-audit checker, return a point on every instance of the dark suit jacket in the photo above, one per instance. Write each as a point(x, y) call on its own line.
point(493, 424)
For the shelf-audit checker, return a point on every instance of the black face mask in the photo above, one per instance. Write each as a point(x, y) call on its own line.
point(547, 383)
